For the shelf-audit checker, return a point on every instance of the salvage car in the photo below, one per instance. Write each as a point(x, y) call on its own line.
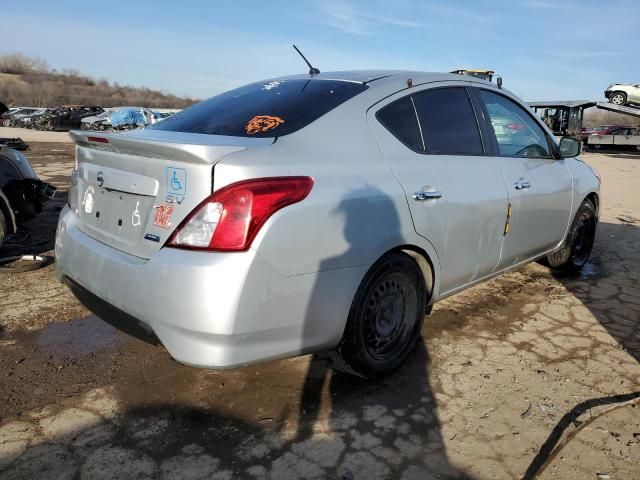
point(8, 117)
point(66, 118)
point(22, 193)
point(623, 93)
point(318, 212)
point(623, 137)
point(25, 120)
point(123, 118)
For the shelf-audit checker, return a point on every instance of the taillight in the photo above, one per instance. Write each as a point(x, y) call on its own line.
point(515, 126)
point(230, 219)
point(97, 139)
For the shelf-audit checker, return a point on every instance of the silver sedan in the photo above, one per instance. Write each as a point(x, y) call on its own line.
point(318, 212)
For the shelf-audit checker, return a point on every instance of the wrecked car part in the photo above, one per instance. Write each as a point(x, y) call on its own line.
point(22, 193)
point(16, 143)
point(126, 118)
point(65, 118)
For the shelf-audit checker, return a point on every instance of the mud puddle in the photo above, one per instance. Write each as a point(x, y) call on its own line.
point(74, 338)
point(63, 360)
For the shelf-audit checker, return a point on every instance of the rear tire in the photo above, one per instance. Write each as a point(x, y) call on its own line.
point(576, 249)
point(618, 98)
point(385, 319)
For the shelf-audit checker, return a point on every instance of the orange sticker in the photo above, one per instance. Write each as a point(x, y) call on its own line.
point(262, 123)
point(162, 215)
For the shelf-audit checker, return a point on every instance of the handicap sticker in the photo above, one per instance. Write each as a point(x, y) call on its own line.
point(176, 184)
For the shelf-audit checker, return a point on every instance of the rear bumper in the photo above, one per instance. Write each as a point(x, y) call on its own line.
point(210, 309)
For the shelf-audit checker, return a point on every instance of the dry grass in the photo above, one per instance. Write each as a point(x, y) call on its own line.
point(30, 81)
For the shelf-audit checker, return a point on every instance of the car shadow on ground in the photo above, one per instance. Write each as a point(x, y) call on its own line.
point(609, 287)
point(341, 427)
point(628, 154)
point(394, 430)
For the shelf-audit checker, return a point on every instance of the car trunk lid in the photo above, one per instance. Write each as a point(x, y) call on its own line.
point(133, 189)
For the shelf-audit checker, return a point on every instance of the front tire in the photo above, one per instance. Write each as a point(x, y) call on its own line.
point(385, 319)
point(576, 249)
point(618, 98)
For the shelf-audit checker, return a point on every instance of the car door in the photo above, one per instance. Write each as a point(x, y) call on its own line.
point(539, 185)
point(456, 193)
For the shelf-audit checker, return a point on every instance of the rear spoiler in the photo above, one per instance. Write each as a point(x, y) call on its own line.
point(206, 149)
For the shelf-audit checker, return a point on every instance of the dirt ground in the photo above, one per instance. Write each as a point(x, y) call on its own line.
point(505, 372)
point(29, 135)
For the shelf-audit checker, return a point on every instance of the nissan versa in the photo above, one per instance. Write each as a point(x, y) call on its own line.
point(318, 212)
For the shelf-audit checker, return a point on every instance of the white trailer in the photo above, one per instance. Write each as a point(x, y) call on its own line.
point(620, 137)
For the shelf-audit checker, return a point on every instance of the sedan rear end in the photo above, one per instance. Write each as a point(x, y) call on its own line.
point(161, 223)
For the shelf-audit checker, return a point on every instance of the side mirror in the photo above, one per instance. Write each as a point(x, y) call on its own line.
point(569, 147)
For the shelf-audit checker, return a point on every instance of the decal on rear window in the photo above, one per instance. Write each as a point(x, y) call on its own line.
point(262, 123)
point(299, 101)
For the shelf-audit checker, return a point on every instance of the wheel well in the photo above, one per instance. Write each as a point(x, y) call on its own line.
point(423, 261)
point(593, 198)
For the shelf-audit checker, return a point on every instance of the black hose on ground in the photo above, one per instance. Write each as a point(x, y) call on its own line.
point(554, 443)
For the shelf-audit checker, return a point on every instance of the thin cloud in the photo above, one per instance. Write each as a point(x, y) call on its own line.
point(346, 17)
point(546, 5)
point(457, 13)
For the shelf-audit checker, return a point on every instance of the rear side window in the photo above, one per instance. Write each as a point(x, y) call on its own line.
point(265, 109)
point(400, 119)
point(448, 122)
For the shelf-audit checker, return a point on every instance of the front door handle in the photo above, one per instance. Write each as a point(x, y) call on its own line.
point(427, 195)
point(522, 185)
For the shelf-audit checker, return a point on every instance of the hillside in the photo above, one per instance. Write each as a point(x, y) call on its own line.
point(30, 81)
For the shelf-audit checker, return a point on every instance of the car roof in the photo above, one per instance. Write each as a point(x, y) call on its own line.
point(376, 78)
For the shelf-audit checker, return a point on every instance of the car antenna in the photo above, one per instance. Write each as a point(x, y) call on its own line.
point(312, 70)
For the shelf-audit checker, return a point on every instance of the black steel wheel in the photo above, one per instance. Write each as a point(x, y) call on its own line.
point(385, 318)
point(576, 249)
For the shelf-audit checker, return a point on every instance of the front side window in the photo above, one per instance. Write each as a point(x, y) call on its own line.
point(448, 122)
point(517, 133)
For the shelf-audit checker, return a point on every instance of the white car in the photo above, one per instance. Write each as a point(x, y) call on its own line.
point(623, 93)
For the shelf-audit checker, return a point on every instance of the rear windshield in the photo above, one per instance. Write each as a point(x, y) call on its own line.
point(264, 109)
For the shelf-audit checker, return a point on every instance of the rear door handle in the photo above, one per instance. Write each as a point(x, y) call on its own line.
point(522, 185)
point(427, 195)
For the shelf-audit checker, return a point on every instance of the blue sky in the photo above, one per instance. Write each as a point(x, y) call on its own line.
point(544, 49)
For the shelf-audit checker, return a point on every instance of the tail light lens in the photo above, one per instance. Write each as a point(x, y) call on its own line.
point(515, 126)
point(230, 219)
